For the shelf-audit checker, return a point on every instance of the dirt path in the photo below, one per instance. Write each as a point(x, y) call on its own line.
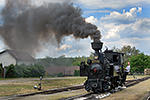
point(136, 92)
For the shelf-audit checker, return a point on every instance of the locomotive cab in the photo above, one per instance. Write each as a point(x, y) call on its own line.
point(116, 60)
point(116, 67)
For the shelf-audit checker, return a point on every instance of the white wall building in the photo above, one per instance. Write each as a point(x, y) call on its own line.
point(8, 57)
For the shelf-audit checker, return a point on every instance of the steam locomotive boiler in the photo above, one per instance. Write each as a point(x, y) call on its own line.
point(105, 71)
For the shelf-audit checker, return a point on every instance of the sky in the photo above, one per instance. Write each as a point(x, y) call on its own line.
point(121, 22)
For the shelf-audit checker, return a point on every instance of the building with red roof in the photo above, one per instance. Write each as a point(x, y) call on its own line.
point(66, 71)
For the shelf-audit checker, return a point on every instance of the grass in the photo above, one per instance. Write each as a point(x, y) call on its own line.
point(136, 92)
point(9, 89)
point(64, 95)
point(130, 77)
point(21, 87)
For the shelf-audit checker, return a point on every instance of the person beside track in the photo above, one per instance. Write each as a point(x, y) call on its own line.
point(127, 70)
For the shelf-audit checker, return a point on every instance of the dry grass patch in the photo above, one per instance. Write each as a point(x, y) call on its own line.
point(65, 94)
point(136, 92)
point(130, 77)
point(54, 96)
point(21, 87)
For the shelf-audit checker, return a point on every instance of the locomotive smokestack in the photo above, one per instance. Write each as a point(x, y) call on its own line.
point(97, 46)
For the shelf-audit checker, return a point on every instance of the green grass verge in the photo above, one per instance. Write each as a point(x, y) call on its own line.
point(21, 87)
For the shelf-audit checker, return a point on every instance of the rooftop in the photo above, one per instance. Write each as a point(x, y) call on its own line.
point(19, 55)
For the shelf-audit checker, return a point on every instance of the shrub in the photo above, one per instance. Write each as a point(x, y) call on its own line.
point(25, 71)
point(77, 73)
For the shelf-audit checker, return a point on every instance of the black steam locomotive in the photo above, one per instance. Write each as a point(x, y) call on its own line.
point(105, 71)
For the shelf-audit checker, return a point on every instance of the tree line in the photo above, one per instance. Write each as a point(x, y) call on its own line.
point(138, 61)
point(17, 71)
point(62, 61)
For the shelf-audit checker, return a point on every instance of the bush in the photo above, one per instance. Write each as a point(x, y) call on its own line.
point(0, 71)
point(58, 75)
point(24, 71)
point(77, 73)
point(10, 71)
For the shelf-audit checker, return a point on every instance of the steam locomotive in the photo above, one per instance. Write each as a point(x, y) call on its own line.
point(105, 71)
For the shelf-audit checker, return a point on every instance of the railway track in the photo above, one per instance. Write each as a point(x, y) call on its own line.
point(92, 96)
point(54, 91)
point(87, 96)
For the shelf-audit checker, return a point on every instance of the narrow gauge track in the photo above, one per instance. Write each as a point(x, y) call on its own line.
point(92, 96)
point(53, 91)
point(85, 96)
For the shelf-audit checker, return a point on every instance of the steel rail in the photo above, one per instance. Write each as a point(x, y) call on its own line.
point(92, 96)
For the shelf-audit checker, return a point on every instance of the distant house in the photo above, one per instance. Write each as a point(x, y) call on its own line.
point(8, 57)
point(66, 71)
point(69, 71)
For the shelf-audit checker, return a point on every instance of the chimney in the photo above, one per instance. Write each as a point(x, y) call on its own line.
point(97, 46)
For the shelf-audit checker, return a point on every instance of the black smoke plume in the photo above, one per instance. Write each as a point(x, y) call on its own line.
point(27, 27)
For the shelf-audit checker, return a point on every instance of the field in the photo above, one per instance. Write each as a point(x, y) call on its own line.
point(25, 85)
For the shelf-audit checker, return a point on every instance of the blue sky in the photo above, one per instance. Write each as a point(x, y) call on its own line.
point(121, 22)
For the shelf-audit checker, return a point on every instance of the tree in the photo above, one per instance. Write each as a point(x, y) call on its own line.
point(0, 69)
point(25, 71)
point(128, 51)
point(58, 75)
point(139, 62)
point(60, 61)
point(79, 59)
point(47, 74)
point(10, 71)
point(77, 73)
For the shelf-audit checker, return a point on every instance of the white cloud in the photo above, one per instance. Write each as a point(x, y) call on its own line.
point(143, 24)
point(73, 51)
point(96, 4)
point(98, 11)
point(139, 43)
point(91, 19)
point(115, 4)
point(40, 2)
point(112, 33)
point(125, 17)
point(2, 2)
point(45, 49)
point(115, 32)
point(115, 26)
point(79, 51)
point(64, 47)
point(139, 10)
